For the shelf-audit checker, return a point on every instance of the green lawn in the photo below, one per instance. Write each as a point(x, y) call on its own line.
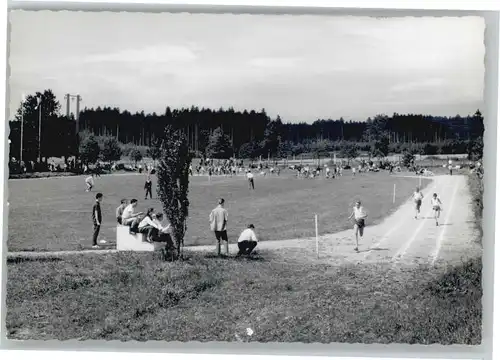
point(135, 297)
point(55, 213)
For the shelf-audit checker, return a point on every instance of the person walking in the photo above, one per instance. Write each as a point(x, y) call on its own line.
point(359, 215)
point(148, 186)
point(247, 241)
point(218, 224)
point(96, 219)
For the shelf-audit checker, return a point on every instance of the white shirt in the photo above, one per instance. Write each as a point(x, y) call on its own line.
point(359, 213)
point(249, 175)
point(148, 221)
point(128, 212)
point(247, 235)
point(89, 180)
point(417, 196)
point(435, 201)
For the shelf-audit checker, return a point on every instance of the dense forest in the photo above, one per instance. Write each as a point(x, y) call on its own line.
point(247, 133)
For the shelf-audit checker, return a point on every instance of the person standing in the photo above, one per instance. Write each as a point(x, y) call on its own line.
point(218, 224)
point(96, 219)
point(148, 186)
point(359, 214)
point(247, 241)
point(251, 184)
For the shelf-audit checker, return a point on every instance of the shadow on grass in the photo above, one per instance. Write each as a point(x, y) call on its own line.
point(374, 249)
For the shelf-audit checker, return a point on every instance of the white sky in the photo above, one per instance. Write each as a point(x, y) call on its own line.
point(300, 67)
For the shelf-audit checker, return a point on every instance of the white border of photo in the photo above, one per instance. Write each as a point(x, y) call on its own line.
point(135, 350)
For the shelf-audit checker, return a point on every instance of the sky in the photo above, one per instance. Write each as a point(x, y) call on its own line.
point(299, 67)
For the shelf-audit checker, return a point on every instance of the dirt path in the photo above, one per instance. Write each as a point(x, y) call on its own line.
point(399, 239)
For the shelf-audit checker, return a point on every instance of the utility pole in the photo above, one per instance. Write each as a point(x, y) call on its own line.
point(78, 98)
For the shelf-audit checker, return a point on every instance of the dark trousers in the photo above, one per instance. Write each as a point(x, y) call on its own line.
point(251, 184)
point(151, 232)
point(246, 247)
point(97, 228)
point(150, 192)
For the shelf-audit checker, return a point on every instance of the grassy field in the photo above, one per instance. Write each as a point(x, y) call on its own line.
point(55, 214)
point(135, 297)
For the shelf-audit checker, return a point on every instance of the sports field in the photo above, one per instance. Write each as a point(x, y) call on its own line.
point(412, 282)
point(55, 213)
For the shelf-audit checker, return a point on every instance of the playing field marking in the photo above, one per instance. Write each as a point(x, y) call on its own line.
point(439, 242)
point(385, 237)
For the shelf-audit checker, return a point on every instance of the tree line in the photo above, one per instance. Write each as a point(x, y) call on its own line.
point(226, 132)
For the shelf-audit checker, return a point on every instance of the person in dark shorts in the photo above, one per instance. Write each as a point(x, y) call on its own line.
point(96, 219)
point(218, 222)
point(359, 215)
point(148, 186)
point(417, 198)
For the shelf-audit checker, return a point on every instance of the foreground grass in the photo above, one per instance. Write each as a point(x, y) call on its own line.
point(55, 214)
point(134, 297)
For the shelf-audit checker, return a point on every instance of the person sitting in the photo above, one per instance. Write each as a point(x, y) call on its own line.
point(128, 215)
point(247, 241)
point(147, 226)
point(119, 211)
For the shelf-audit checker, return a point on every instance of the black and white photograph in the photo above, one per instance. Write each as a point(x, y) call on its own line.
point(245, 178)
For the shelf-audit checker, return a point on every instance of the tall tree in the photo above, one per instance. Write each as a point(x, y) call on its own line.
point(173, 182)
point(111, 150)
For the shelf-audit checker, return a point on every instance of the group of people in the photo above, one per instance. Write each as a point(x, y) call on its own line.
point(437, 205)
point(247, 241)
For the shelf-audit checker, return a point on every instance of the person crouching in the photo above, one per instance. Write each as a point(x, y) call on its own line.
point(247, 241)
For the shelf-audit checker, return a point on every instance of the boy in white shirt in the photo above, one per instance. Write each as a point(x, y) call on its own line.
point(359, 214)
point(417, 198)
point(128, 215)
point(247, 241)
point(436, 207)
point(251, 184)
point(89, 181)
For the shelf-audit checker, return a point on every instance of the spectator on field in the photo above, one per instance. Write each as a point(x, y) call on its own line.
point(218, 222)
point(129, 215)
point(148, 186)
point(251, 184)
point(247, 241)
point(119, 211)
point(96, 219)
point(89, 181)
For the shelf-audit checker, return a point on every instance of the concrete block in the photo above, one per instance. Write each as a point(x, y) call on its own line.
point(128, 242)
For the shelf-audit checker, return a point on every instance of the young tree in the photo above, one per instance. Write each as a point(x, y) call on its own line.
point(349, 151)
point(219, 145)
point(154, 151)
point(89, 150)
point(408, 159)
point(111, 150)
point(380, 148)
point(173, 182)
point(135, 155)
